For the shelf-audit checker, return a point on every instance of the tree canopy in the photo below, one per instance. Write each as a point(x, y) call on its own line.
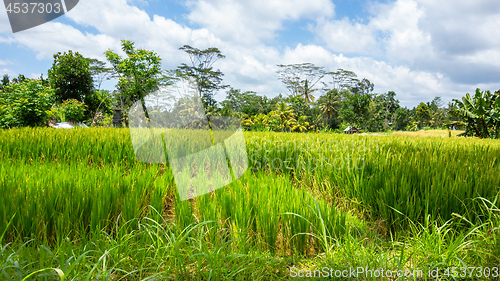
point(70, 76)
point(301, 79)
point(201, 70)
point(139, 72)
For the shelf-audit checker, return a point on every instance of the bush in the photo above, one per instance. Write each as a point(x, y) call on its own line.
point(73, 110)
point(102, 120)
point(53, 114)
point(99, 101)
point(25, 104)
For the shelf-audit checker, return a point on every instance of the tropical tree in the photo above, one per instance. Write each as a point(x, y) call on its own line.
point(99, 71)
point(70, 76)
point(139, 74)
point(301, 125)
point(401, 118)
point(301, 79)
point(5, 81)
point(342, 79)
point(356, 109)
point(201, 70)
point(385, 109)
point(256, 123)
point(481, 112)
point(363, 87)
point(423, 113)
point(247, 102)
point(282, 118)
point(329, 105)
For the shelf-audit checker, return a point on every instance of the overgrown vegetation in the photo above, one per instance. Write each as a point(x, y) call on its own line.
point(481, 112)
point(25, 102)
point(78, 204)
point(318, 99)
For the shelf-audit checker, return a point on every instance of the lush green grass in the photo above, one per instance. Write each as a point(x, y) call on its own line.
point(77, 203)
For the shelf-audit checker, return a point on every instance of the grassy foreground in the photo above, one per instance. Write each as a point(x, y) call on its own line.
point(77, 205)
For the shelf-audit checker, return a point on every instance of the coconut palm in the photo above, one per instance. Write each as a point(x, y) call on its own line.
point(306, 92)
point(329, 104)
point(301, 125)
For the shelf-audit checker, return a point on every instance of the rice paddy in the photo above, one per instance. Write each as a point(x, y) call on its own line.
point(77, 205)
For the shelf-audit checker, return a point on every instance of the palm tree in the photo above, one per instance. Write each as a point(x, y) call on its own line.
point(306, 92)
point(329, 104)
point(301, 125)
point(282, 117)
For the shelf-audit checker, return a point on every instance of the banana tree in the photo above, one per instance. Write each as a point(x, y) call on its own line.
point(480, 111)
point(494, 114)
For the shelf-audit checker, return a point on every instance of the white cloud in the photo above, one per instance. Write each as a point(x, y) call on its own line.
point(7, 71)
point(452, 46)
point(253, 22)
point(53, 37)
point(405, 40)
point(410, 86)
point(344, 36)
point(417, 48)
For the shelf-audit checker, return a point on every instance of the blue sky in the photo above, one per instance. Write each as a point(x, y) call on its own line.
point(418, 48)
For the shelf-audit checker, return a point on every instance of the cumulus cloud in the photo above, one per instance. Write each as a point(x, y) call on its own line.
point(252, 22)
point(344, 36)
point(417, 48)
point(453, 43)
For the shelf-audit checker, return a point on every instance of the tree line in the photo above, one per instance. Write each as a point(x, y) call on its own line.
point(318, 100)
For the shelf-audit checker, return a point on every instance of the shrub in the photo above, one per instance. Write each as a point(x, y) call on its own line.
point(25, 104)
point(73, 110)
point(99, 101)
point(53, 114)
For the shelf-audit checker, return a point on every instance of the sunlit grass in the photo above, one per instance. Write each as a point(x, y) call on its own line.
point(78, 203)
point(428, 133)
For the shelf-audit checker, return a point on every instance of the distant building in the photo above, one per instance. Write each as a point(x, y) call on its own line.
point(351, 130)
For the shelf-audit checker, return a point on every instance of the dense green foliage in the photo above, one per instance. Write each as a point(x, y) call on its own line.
point(139, 73)
point(318, 101)
point(72, 110)
point(70, 76)
point(25, 103)
point(481, 112)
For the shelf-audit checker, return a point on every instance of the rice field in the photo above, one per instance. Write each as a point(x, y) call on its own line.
point(77, 205)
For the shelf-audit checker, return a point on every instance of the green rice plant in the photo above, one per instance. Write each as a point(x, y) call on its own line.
point(93, 146)
point(251, 211)
point(415, 176)
point(304, 196)
point(54, 201)
point(389, 176)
